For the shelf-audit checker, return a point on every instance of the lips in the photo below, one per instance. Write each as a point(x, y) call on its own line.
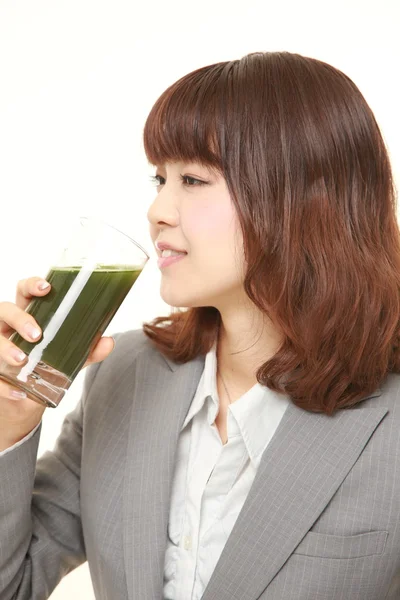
point(165, 261)
point(165, 246)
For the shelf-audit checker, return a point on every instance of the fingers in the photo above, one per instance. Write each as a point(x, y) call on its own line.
point(10, 353)
point(14, 318)
point(28, 289)
point(7, 392)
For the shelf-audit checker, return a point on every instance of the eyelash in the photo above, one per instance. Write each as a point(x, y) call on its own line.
point(184, 178)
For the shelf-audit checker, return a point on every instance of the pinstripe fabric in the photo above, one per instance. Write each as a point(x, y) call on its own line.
point(321, 520)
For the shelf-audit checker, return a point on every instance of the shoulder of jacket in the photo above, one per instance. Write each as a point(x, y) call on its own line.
point(386, 396)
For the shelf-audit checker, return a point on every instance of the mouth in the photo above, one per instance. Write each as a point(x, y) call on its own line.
point(166, 261)
point(162, 247)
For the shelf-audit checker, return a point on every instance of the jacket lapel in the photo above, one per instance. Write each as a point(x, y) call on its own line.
point(301, 468)
point(160, 401)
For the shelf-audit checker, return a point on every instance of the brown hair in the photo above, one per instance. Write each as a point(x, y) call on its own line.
point(311, 181)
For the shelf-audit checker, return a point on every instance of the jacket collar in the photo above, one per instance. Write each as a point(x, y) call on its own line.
point(300, 470)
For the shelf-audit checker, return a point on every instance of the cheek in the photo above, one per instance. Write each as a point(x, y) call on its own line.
point(209, 222)
point(214, 239)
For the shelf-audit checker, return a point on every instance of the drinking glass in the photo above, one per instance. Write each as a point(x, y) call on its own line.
point(89, 283)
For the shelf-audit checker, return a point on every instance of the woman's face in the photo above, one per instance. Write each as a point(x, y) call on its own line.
point(193, 211)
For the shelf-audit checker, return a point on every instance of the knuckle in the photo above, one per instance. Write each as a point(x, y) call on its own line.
point(8, 311)
point(28, 287)
point(8, 318)
point(5, 349)
point(21, 285)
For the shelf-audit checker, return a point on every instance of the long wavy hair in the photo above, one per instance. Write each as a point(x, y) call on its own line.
point(310, 178)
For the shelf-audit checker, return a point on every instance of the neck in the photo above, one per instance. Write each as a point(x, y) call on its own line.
point(246, 340)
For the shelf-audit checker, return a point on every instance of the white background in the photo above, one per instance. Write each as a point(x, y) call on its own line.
point(77, 80)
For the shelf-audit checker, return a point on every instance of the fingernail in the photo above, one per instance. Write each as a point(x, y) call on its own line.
point(18, 354)
point(19, 395)
point(32, 331)
point(42, 285)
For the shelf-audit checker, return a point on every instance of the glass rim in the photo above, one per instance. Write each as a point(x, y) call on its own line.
point(94, 218)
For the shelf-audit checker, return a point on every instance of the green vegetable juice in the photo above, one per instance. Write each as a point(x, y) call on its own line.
point(84, 323)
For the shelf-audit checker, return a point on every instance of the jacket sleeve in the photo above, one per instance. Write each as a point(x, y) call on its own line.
point(41, 537)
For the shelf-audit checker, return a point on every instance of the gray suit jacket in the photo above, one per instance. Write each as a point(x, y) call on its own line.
point(321, 521)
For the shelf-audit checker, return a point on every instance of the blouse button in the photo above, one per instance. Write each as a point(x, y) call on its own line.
point(187, 542)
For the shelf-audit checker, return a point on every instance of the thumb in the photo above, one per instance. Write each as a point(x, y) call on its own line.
point(103, 348)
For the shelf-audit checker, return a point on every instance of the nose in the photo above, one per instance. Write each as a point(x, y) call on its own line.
point(163, 211)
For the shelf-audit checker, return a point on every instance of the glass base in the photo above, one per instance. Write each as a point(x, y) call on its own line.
point(45, 384)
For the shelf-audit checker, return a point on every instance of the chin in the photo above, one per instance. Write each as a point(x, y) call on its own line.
point(181, 295)
point(182, 300)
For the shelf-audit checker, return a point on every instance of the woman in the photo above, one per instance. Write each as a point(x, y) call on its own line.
point(246, 446)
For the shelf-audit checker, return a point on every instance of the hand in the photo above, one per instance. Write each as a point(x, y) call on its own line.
point(19, 416)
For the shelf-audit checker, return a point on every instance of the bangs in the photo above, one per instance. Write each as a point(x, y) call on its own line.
point(186, 123)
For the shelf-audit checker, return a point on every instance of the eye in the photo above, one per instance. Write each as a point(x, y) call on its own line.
point(191, 181)
point(156, 179)
point(186, 179)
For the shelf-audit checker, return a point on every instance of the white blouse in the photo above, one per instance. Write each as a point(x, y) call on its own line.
point(212, 480)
